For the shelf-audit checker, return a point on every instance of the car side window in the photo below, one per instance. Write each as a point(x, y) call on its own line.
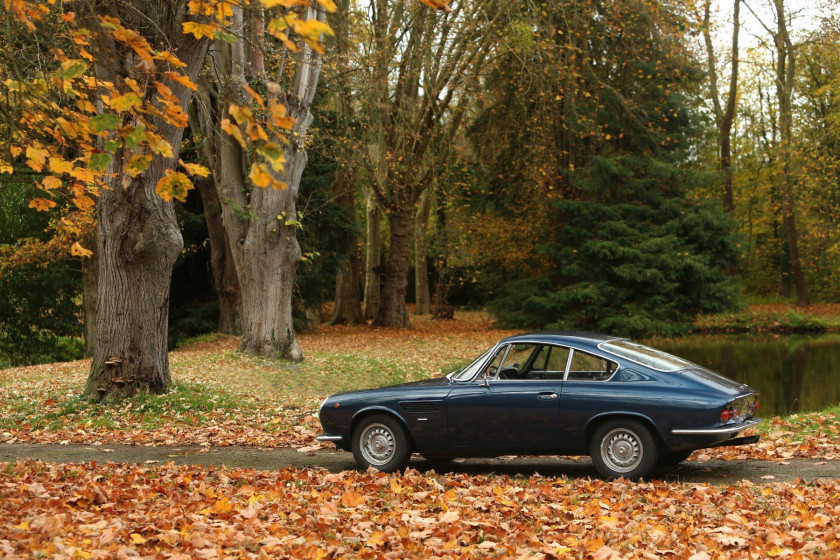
point(492, 369)
point(516, 362)
point(550, 363)
point(586, 367)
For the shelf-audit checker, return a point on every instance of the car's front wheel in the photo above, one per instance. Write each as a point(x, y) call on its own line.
point(380, 441)
point(623, 447)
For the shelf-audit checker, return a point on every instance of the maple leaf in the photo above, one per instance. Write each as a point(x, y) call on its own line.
point(278, 115)
point(200, 30)
point(78, 251)
point(328, 5)
point(195, 169)
point(41, 204)
point(126, 102)
point(138, 164)
point(99, 161)
point(106, 121)
point(173, 184)
point(71, 69)
point(181, 79)
point(352, 499)
point(36, 157)
point(50, 182)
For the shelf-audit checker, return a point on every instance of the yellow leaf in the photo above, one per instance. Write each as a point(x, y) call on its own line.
point(260, 176)
point(36, 157)
point(242, 115)
point(274, 154)
point(50, 182)
point(234, 131)
point(221, 506)
point(126, 102)
point(137, 539)
point(396, 487)
point(376, 539)
point(83, 202)
point(5, 167)
point(78, 251)
point(328, 5)
point(23, 525)
point(159, 145)
point(195, 169)
point(41, 204)
point(200, 30)
point(174, 185)
point(275, 3)
point(173, 60)
point(60, 165)
point(311, 29)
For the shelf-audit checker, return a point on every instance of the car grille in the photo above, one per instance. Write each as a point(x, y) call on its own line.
point(418, 407)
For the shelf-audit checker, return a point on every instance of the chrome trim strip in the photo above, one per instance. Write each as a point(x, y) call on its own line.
point(325, 437)
point(722, 430)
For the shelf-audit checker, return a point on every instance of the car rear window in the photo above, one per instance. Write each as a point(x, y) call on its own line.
point(645, 355)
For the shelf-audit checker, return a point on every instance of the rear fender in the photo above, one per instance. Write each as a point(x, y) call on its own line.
point(598, 419)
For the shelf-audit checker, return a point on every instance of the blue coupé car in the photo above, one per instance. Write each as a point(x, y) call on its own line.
point(630, 407)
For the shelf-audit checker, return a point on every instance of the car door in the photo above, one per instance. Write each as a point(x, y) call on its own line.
point(586, 393)
point(510, 408)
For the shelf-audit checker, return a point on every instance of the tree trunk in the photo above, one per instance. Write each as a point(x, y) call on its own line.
point(138, 237)
point(785, 74)
point(421, 251)
point(90, 287)
point(348, 305)
point(372, 259)
point(392, 309)
point(225, 278)
point(139, 241)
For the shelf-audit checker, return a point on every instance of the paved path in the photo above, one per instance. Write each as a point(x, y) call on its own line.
point(712, 472)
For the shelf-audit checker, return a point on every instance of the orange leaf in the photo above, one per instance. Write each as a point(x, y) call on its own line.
point(41, 204)
point(234, 131)
point(278, 115)
point(181, 79)
point(50, 182)
point(78, 251)
point(352, 499)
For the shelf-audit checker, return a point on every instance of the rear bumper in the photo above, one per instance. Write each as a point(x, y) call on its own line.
point(720, 431)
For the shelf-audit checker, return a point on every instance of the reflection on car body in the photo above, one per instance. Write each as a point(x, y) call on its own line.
point(629, 406)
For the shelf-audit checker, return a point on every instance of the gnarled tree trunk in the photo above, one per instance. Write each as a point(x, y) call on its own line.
point(138, 236)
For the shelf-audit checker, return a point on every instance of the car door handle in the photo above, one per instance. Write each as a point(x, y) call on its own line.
point(548, 396)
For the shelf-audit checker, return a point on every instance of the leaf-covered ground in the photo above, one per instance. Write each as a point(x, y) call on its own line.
point(122, 511)
point(221, 398)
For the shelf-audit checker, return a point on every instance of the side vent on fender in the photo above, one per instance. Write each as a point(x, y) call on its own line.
point(418, 407)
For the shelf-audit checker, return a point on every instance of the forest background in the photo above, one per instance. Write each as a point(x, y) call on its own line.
point(619, 166)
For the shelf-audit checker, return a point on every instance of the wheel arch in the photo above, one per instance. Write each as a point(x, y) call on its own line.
point(596, 421)
point(374, 410)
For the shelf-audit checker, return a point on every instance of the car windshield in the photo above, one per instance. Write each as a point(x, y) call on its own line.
point(468, 372)
point(645, 355)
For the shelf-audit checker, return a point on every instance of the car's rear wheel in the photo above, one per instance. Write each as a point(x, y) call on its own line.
point(380, 441)
point(623, 447)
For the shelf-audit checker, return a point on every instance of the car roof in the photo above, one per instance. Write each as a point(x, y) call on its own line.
point(574, 338)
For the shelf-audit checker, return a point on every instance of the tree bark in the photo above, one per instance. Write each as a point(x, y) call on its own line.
point(423, 305)
point(225, 278)
point(348, 305)
point(373, 257)
point(90, 287)
point(138, 237)
point(785, 76)
point(392, 309)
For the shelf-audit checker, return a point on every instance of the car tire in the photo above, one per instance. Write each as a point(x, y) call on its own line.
point(673, 458)
point(380, 441)
point(623, 448)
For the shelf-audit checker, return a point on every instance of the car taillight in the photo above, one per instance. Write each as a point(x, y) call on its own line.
point(727, 414)
point(755, 406)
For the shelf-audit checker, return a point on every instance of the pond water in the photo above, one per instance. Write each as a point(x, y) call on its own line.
point(794, 373)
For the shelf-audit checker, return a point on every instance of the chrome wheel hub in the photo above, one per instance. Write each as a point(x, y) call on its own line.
point(377, 444)
point(621, 450)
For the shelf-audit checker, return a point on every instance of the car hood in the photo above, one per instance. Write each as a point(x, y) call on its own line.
point(716, 381)
point(437, 382)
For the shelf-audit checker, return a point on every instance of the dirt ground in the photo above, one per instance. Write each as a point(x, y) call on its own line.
point(708, 472)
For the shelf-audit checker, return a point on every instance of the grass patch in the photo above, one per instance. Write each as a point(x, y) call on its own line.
point(760, 319)
point(184, 403)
